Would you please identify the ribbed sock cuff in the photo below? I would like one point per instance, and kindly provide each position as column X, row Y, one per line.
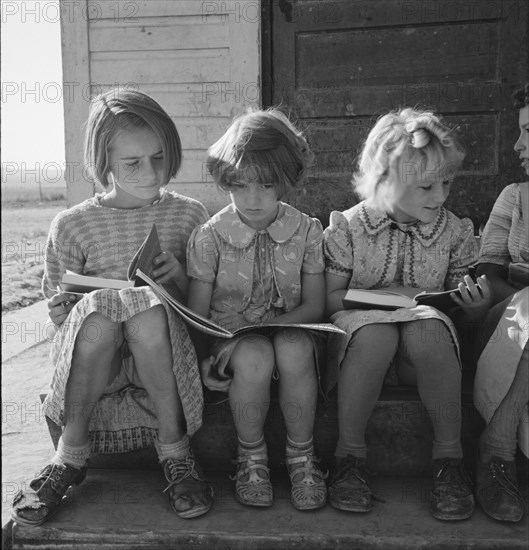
column 295, row 448
column 180, row 449
column 246, row 447
column 452, row 449
column 73, row 455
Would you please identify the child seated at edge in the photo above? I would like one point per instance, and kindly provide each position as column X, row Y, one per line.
column 257, row 261
column 126, row 374
column 402, row 236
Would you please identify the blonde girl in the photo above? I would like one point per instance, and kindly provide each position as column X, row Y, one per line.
column 126, row 375
column 260, row 260
column 401, row 236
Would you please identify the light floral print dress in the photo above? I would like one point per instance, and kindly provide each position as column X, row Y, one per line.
column 256, row 275
column 372, row 251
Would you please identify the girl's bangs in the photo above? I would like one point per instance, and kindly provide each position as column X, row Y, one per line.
column 252, row 169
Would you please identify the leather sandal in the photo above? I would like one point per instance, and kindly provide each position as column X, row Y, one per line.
column 309, row 491
column 252, row 480
column 190, row 493
column 41, row 501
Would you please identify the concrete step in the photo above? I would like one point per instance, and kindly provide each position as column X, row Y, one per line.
column 399, row 435
column 125, row 509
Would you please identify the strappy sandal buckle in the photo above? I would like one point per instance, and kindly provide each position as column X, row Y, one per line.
column 256, row 490
column 309, row 491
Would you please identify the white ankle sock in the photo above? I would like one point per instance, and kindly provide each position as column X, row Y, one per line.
column 180, row 449
column 73, row 455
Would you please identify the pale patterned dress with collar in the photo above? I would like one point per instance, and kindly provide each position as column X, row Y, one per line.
column 91, row 239
column 372, row 251
column 256, row 275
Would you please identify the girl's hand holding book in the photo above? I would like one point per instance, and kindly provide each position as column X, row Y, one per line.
column 475, row 300
column 60, row 305
column 168, row 269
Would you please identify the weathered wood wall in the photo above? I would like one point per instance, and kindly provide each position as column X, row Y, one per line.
column 339, row 64
column 199, row 59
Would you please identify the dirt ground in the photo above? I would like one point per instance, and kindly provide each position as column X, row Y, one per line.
column 26, row 445
column 24, row 231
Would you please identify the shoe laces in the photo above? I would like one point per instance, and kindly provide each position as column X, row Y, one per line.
column 451, row 472
column 178, row 469
column 53, row 477
column 352, row 467
column 501, row 475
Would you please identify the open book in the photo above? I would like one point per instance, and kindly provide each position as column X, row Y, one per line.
column 390, row 299
column 209, row 327
column 140, row 273
column 143, row 259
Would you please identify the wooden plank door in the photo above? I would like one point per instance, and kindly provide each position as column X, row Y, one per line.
column 338, row 64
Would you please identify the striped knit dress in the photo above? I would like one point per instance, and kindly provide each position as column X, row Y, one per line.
column 91, row 239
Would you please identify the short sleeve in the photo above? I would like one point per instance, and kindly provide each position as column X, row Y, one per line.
column 202, row 255
column 62, row 252
column 313, row 257
column 337, row 246
column 463, row 253
column 495, row 238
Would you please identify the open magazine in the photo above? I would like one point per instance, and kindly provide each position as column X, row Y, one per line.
column 390, row 298
column 209, row 327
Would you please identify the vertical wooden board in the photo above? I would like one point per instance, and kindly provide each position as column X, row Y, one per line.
column 76, row 79
column 245, row 28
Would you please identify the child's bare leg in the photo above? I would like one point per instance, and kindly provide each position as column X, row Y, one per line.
column 148, row 337
column 430, row 349
column 362, row 372
column 298, row 384
column 298, row 389
column 437, row 373
column 95, row 362
column 149, row 341
column 252, row 362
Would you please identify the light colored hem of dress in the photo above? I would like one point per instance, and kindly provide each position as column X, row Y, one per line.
column 125, row 420
column 351, row 320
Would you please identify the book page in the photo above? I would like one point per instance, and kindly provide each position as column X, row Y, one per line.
column 73, row 282
column 376, row 299
column 144, row 257
column 209, row 327
column 194, row 319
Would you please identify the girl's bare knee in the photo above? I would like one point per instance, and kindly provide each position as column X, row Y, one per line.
column 98, row 332
column 293, row 342
column 253, row 358
column 369, row 337
column 149, row 327
column 421, row 339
